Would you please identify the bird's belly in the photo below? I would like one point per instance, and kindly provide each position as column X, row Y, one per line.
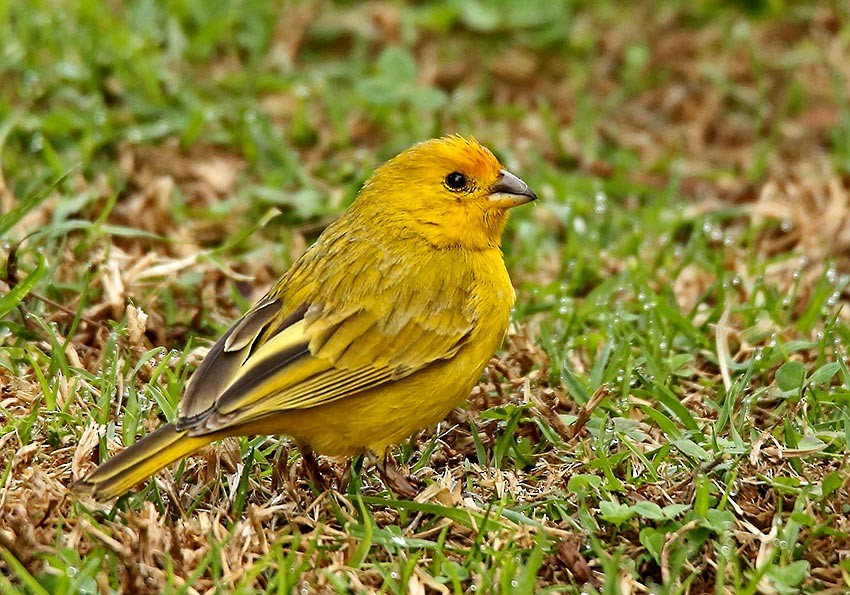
column 379, row 418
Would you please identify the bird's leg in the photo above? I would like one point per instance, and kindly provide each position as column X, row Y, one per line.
column 311, row 468
column 350, row 479
column 392, row 477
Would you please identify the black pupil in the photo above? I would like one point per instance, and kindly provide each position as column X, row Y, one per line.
column 456, row 180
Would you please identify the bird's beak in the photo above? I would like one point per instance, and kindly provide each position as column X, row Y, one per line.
column 509, row 191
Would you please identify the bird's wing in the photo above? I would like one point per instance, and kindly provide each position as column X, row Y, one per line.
column 275, row 359
column 227, row 356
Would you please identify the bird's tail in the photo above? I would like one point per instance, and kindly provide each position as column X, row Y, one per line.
column 139, row 461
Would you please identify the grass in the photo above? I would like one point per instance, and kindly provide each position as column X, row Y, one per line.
column 671, row 412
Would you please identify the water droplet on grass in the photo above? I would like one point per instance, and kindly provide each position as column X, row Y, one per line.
column 833, row 299
column 600, row 206
column 831, row 276
column 579, row 225
column 37, row 142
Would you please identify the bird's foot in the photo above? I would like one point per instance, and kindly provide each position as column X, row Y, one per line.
column 312, row 469
column 396, row 481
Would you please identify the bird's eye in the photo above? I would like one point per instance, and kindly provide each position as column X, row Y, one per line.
column 456, row 181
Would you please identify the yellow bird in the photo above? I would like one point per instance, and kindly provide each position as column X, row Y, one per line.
column 380, row 329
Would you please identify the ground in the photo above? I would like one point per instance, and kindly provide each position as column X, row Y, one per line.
column 671, row 410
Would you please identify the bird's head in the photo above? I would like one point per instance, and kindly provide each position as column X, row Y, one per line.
column 452, row 191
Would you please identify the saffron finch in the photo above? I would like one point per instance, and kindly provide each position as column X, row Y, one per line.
column 380, row 329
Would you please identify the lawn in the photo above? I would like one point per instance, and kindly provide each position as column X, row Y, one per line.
column 670, row 412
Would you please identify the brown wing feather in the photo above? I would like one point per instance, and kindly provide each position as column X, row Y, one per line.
column 229, row 353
